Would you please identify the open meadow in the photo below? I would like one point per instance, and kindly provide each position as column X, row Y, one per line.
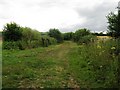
column 66, row 65
column 60, row 44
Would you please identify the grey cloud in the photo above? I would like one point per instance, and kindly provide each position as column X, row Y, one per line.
column 4, row 6
column 3, row 2
column 46, row 3
column 96, row 18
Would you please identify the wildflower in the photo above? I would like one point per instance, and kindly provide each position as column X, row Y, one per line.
column 103, row 51
column 5, row 76
column 101, row 66
column 112, row 47
column 98, row 46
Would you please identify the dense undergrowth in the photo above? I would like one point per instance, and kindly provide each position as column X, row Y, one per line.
column 96, row 65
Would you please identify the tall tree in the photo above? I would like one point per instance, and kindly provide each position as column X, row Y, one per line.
column 12, row 32
column 114, row 24
column 55, row 33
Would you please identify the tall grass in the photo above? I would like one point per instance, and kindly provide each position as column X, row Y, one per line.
column 96, row 64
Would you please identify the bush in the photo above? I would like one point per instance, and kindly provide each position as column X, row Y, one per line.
column 22, row 45
column 46, row 41
column 68, row 36
column 87, row 39
column 80, row 33
column 12, row 32
column 10, row 45
column 55, row 33
column 53, row 41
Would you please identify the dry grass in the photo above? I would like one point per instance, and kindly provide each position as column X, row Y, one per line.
column 104, row 37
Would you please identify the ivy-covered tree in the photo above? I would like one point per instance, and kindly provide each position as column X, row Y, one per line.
column 12, row 32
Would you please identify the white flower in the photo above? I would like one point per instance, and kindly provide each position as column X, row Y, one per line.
column 112, row 47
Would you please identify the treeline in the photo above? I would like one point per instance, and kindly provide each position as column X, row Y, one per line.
column 15, row 36
column 18, row 37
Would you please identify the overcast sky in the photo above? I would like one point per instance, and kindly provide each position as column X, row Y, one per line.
column 66, row 15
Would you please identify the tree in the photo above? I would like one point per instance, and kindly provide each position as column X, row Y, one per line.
column 55, row 33
column 29, row 34
column 68, row 36
column 12, row 32
column 114, row 24
column 80, row 33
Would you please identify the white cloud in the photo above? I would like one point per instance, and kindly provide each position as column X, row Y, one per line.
column 45, row 14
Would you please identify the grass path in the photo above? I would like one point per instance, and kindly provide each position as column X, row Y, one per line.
column 41, row 67
column 66, row 65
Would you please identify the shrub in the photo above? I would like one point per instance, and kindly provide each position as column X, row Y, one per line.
column 12, row 32
column 96, row 65
column 22, row 45
column 53, row 41
column 46, row 41
column 55, row 33
column 10, row 45
column 87, row 39
column 80, row 33
column 68, row 36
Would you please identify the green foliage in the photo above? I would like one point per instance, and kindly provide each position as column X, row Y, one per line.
column 114, row 24
column 46, row 41
column 68, row 36
column 12, row 32
column 0, row 34
column 86, row 66
column 22, row 45
column 80, row 33
column 10, row 45
column 28, row 38
column 55, row 33
column 87, row 39
column 29, row 34
column 94, row 66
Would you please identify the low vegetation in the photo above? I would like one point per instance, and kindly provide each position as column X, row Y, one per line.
column 17, row 37
column 66, row 65
column 33, row 59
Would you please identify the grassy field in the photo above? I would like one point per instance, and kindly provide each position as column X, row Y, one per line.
column 60, row 66
column 0, row 63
